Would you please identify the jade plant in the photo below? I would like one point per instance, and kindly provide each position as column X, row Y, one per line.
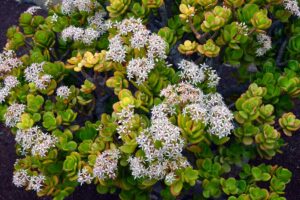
column 125, row 95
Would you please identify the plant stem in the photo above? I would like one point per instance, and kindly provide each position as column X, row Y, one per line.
column 197, row 35
column 281, row 51
column 86, row 76
column 65, row 55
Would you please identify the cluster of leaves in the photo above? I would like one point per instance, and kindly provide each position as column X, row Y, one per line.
column 95, row 86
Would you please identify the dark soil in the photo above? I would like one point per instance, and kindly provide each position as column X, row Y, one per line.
column 9, row 14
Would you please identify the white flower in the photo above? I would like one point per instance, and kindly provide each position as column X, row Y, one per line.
column 34, row 74
column 36, row 182
column 139, row 68
column 8, row 61
column 84, row 176
column 159, row 160
column 213, row 99
column 220, row 121
column 70, row 6
column 137, row 167
column 70, row 32
column 191, row 72
column 124, row 120
column 97, row 22
column 106, row 164
column 33, row 71
column 83, row 5
column 197, row 112
column 139, row 38
column 157, row 47
column 292, row 6
column 35, row 141
column 116, row 50
column 130, row 25
column 242, row 28
column 43, row 81
column 90, row 35
column 63, row 92
column 265, row 43
column 20, row 178
column 67, row 7
column 54, row 18
column 211, row 76
column 210, row 108
column 48, row 3
column 87, row 36
column 13, row 114
column 109, row 24
column 4, row 92
column 170, row 178
column 181, row 93
column 33, row 9
column 11, row 82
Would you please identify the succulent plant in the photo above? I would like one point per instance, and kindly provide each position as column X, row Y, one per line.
column 210, row 49
column 188, row 47
column 260, row 20
column 97, row 98
column 289, row 123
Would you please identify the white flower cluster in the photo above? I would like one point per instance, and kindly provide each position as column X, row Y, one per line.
column 70, row 6
column 117, row 51
column 34, row 74
column 220, row 119
column 265, row 42
column 35, row 140
column 21, row 179
column 210, row 108
column 292, row 6
column 106, row 164
column 13, row 114
column 124, row 120
column 9, row 83
column 140, row 37
column 33, row 9
column 130, row 25
column 98, row 22
column 87, row 36
column 182, row 93
column 193, row 74
column 8, row 61
column 139, row 68
column 84, row 176
column 156, row 47
column 36, row 182
column 211, row 76
column 63, row 92
column 243, row 28
column 162, row 145
column 197, row 112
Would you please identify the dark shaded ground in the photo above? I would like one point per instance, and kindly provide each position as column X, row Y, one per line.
column 9, row 13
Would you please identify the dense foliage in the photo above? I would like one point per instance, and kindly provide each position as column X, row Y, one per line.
column 124, row 95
